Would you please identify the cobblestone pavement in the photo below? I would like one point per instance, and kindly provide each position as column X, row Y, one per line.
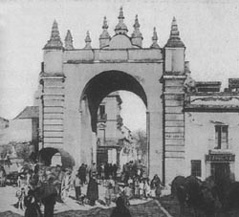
column 139, row 208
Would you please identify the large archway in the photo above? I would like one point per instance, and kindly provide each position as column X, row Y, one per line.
column 99, row 87
column 105, row 83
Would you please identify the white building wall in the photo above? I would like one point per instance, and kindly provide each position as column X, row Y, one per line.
column 19, row 130
column 200, row 138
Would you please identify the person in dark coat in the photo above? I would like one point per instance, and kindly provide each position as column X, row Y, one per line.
column 120, row 210
column 92, row 191
column 49, row 197
column 82, row 174
column 115, row 168
column 32, row 207
column 107, row 172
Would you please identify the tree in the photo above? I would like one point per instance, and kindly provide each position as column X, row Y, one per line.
column 141, row 142
column 22, row 150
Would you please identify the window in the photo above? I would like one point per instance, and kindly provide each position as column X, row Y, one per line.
column 221, row 136
column 196, row 168
column 101, row 134
column 101, row 113
column 102, row 110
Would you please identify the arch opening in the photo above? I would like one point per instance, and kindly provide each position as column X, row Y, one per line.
column 52, row 156
column 105, row 83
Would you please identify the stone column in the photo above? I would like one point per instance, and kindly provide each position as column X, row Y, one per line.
column 174, row 126
column 52, row 111
column 155, row 143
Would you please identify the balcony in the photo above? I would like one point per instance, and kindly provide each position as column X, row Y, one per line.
column 101, row 117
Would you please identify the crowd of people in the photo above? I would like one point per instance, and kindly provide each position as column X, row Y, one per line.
column 44, row 186
column 37, row 186
column 131, row 183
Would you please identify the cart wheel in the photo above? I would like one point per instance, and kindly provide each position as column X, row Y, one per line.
column 65, row 187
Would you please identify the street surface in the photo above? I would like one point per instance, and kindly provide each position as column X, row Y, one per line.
column 138, row 207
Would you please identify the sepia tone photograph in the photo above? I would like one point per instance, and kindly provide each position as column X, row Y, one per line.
column 119, row 108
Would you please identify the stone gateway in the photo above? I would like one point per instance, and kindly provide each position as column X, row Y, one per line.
column 73, row 82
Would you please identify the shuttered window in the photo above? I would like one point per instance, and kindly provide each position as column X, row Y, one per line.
column 196, row 168
column 221, row 136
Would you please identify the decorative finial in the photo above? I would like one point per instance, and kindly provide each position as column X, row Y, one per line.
column 88, row 41
column 104, row 37
column 121, row 14
column 155, row 39
column 174, row 29
column 55, row 40
column 69, row 41
column 174, row 39
column 136, row 24
column 136, row 35
column 105, row 25
column 121, row 28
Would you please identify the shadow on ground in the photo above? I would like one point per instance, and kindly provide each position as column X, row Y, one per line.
column 148, row 209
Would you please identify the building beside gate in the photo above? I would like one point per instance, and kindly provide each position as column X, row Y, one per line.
column 191, row 126
column 211, row 130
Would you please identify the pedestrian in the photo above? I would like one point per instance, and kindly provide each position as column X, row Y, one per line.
column 77, row 186
column 141, row 188
column 136, row 187
column 120, row 210
column 92, row 191
column 93, row 170
column 156, row 186
column 103, row 171
column 58, row 182
column 32, row 207
column 82, row 173
column 99, row 171
column 117, row 191
column 107, row 173
column 110, row 185
column 115, row 168
column 128, row 193
column 147, row 190
column 2, row 176
column 49, row 194
column 126, row 172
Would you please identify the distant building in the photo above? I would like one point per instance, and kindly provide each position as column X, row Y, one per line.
column 109, row 134
column 23, row 128
column 4, row 123
column 128, row 151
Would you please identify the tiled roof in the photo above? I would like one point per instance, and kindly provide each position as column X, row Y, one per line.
column 29, row 112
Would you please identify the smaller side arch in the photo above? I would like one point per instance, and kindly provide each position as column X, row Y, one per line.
column 46, row 154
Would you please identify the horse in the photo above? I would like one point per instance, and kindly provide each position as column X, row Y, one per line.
column 195, row 194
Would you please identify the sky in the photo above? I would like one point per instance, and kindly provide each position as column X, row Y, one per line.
column 208, row 28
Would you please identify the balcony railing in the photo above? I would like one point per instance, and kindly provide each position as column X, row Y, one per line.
column 102, row 117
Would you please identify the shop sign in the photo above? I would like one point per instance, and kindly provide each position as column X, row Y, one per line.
column 220, row 157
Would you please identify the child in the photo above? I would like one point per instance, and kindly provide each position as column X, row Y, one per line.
column 147, row 190
column 127, row 192
column 141, row 188
column 110, row 184
column 136, row 188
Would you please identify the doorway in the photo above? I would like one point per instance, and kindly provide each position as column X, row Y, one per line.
column 220, row 171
